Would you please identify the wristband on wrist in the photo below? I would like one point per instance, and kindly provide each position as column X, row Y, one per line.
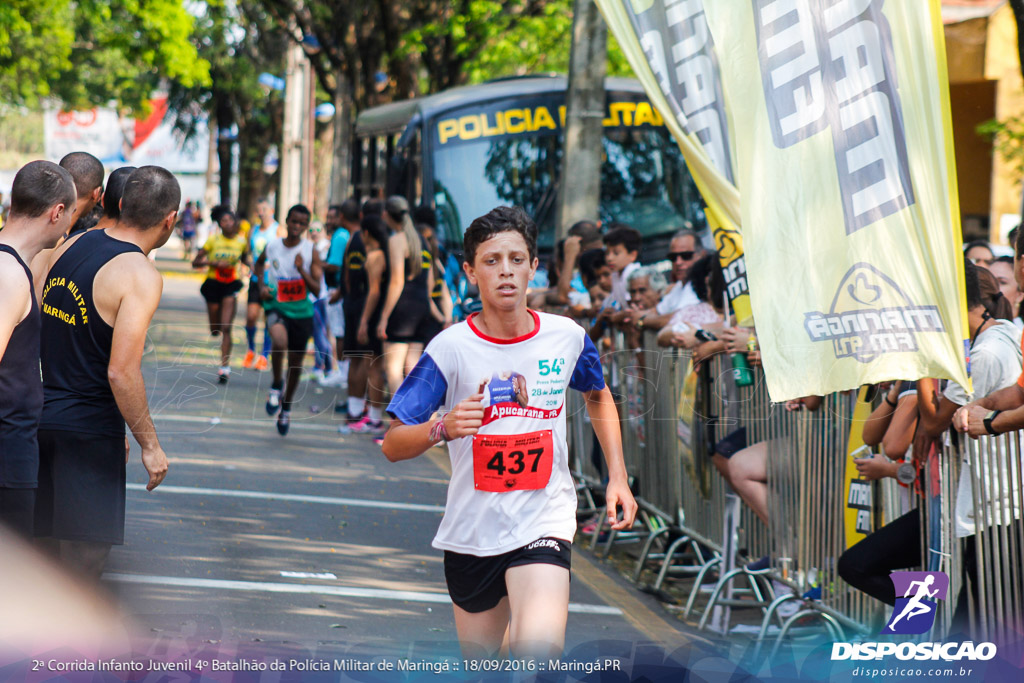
column 438, row 432
column 988, row 422
column 891, row 404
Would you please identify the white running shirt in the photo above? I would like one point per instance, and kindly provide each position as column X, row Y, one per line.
column 510, row 482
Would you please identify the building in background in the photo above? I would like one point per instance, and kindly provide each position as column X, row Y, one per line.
column 985, row 84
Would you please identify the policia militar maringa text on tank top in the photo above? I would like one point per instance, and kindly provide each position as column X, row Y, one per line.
column 99, row 298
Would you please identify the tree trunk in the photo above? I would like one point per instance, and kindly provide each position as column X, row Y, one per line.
column 341, row 170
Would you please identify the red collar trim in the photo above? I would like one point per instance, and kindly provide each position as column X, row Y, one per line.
column 516, row 340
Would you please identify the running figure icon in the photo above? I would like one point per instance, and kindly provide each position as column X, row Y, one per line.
column 915, row 606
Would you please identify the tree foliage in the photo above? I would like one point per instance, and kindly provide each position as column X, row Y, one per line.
column 88, row 52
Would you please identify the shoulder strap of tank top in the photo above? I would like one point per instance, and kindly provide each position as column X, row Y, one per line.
column 13, row 252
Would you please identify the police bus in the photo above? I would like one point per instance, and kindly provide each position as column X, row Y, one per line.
column 466, row 150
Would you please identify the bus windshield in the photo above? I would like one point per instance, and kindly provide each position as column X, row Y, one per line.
column 644, row 181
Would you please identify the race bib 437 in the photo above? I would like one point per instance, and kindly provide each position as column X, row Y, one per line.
column 512, row 462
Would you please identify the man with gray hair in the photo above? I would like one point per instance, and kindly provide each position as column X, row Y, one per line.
column 100, row 295
column 42, row 202
column 684, row 250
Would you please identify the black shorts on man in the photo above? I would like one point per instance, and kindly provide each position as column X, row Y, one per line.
column 299, row 330
column 477, row 584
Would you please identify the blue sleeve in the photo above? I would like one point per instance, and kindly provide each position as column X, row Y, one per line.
column 336, row 254
column 421, row 393
column 587, row 375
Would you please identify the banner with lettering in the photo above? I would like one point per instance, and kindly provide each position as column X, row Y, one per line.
column 670, row 49
column 843, row 151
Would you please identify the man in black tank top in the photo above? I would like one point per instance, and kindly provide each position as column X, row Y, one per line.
column 99, row 297
column 42, row 204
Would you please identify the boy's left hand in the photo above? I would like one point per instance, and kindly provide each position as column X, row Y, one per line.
column 618, row 496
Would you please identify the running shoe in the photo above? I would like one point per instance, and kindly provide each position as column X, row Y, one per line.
column 334, row 378
column 223, row 374
column 261, row 363
column 273, row 401
column 250, row 358
column 379, row 440
column 284, row 420
column 367, row 426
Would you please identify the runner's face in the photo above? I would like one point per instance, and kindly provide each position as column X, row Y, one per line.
column 297, row 224
column 228, row 225
column 501, row 270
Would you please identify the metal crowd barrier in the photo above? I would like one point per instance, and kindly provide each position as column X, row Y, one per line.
column 693, row 526
column 993, row 474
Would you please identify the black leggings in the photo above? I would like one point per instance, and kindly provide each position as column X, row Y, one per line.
column 897, row 545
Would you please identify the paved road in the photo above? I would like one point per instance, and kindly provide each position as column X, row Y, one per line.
column 311, row 542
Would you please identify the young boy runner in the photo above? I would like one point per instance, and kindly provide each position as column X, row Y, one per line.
column 293, row 269
column 511, row 510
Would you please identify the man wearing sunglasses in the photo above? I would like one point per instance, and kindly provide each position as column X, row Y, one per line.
column 684, row 250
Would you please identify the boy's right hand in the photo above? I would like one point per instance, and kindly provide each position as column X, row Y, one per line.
column 465, row 418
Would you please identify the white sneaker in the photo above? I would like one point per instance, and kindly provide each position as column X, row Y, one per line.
column 335, row 378
column 273, row 401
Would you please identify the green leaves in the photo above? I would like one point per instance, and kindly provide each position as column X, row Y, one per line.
column 89, row 52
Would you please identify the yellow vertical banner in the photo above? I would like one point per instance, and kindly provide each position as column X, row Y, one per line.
column 857, row 520
column 843, row 155
column 669, row 46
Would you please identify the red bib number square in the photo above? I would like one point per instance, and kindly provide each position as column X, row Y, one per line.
column 226, row 274
column 512, row 462
column 291, row 290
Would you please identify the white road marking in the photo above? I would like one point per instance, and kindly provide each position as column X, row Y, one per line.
column 295, row 497
column 326, row 576
column 341, row 591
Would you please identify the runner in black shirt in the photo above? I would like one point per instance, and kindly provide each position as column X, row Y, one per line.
column 42, row 202
column 99, row 296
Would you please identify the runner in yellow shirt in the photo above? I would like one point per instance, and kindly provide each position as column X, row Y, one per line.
column 221, row 254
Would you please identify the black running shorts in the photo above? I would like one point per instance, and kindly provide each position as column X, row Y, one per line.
column 477, row 584
column 299, row 329
column 81, row 487
column 215, row 291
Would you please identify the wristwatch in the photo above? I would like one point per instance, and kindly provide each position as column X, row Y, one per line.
column 987, row 421
column 640, row 322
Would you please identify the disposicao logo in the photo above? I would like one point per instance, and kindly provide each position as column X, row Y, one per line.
column 914, row 613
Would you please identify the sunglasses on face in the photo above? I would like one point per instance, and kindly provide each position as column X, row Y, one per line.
column 685, row 255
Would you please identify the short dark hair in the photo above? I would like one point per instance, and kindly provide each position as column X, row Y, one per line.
column 150, row 193
column 114, row 189
column 298, row 208
column 219, row 211
column 1018, row 243
column 709, row 290
column 373, row 207
column 1004, row 259
column 424, row 214
column 373, row 225
column 348, row 210
column 86, row 169
column 40, row 185
column 587, row 231
column 590, row 261
column 971, row 285
column 978, row 243
column 624, row 235
column 499, row 219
